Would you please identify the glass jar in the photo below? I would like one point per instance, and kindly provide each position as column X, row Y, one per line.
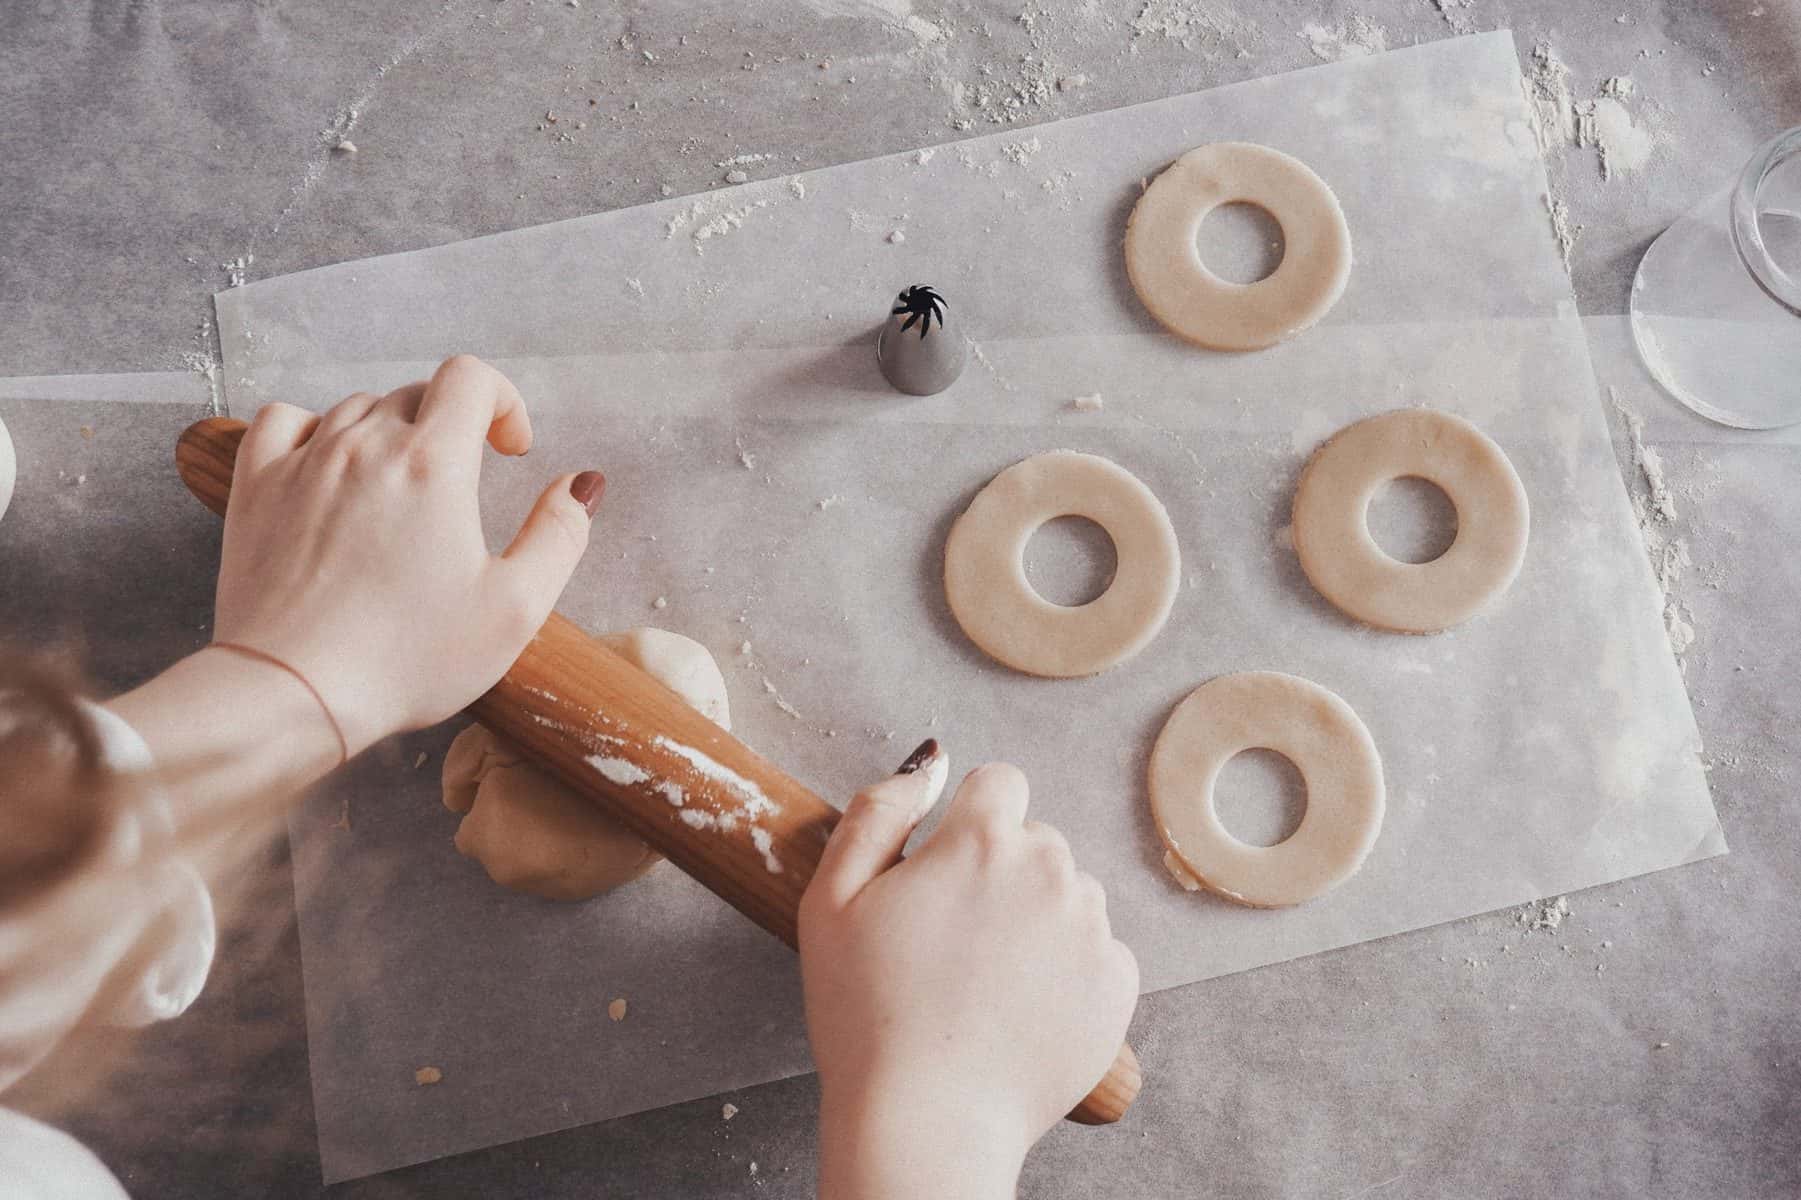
column 1716, row 303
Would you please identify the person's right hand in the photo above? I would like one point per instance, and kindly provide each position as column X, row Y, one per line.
column 959, row 1002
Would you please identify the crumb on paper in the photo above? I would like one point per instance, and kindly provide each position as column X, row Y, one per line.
column 744, row 647
column 896, row 237
column 343, row 821
column 1661, row 1046
column 343, row 146
column 922, row 157
column 1089, row 403
column 616, row 1008
column 87, row 431
column 660, row 602
column 736, row 175
column 728, row 1111
column 826, row 502
column 425, row 1076
column 419, row 759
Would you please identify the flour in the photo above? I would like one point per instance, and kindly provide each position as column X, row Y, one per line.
column 1654, row 507
column 1020, row 153
column 1457, row 14
column 702, row 222
column 619, row 771
column 1563, row 229
column 751, row 797
column 1189, row 22
column 1547, row 915
column 1622, row 145
column 1605, row 123
column 743, row 160
column 1090, row 403
column 1358, row 37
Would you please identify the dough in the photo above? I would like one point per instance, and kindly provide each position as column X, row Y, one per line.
column 1331, row 527
column 536, row 835
column 1317, row 732
column 985, row 573
column 9, row 468
column 1165, row 265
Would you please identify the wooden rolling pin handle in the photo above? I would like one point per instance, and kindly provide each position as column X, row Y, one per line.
column 715, row 808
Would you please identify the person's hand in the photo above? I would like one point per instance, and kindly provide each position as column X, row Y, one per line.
column 960, row 1001
column 353, row 549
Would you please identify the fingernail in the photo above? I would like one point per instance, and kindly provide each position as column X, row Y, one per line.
column 587, row 489
column 922, row 754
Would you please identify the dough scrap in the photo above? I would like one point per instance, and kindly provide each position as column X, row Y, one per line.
column 1163, row 258
column 985, row 573
column 1342, row 560
column 1312, row 728
column 535, row 834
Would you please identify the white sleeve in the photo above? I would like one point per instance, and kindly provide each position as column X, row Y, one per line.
column 127, row 943
column 41, row 1163
column 165, row 972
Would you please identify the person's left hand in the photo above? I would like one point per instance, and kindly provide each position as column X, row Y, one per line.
column 354, row 554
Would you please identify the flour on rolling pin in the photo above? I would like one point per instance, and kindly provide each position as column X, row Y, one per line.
column 753, row 801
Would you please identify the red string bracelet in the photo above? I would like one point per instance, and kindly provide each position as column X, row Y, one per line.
column 253, row 652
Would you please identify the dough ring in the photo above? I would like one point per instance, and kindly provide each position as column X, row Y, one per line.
column 1331, row 527
column 1165, row 264
column 985, row 574
column 1317, row 732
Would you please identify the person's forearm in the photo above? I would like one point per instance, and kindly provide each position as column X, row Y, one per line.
column 229, row 733
column 877, row 1144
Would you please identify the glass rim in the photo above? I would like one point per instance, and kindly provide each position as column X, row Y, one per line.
column 1747, row 238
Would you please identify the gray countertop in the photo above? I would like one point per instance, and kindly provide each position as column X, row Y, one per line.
column 1648, row 1047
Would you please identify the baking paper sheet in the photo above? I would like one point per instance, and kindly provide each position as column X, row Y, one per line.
column 713, row 356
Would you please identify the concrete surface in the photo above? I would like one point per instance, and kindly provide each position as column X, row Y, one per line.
column 148, row 144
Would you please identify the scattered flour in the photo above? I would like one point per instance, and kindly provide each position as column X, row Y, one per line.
column 1546, row 914
column 1190, row 22
column 1654, row 506
column 1020, row 153
column 1357, row 37
column 1623, row 146
column 1457, row 14
column 703, row 222
column 728, row 1111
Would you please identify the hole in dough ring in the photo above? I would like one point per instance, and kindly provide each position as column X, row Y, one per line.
column 1317, row 732
column 1163, row 258
column 985, row 574
column 1331, row 520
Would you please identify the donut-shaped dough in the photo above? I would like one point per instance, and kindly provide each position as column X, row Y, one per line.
column 1313, row 729
column 985, row 573
column 1331, row 526
column 1165, row 265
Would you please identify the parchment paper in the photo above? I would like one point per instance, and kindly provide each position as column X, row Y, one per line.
column 713, row 356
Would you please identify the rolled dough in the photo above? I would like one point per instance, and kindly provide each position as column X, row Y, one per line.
column 1313, row 729
column 985, row 572
column 534, row 834
column 1331, row 526
column 1163, row 258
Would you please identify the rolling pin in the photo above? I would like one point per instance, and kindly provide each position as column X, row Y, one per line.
column 708, row 803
